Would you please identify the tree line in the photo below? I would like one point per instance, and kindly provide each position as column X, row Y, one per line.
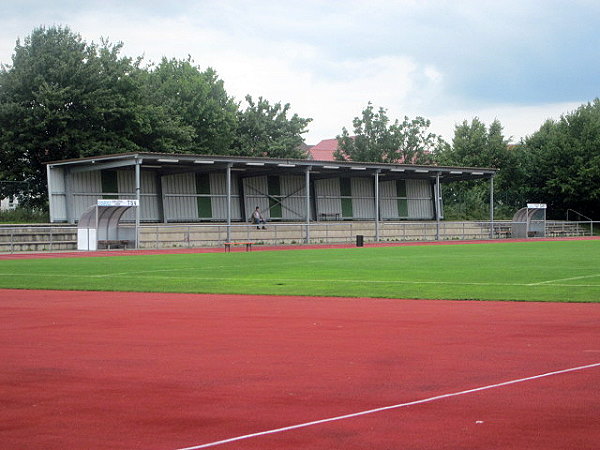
column 64, row 98
column 558, row 165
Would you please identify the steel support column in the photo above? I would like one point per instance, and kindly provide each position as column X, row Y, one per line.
column 377, row 206
column 436, row 194
column 69, row 200
column 307, row 188
column 138, row 188
column 228, row 176
column 492, row 207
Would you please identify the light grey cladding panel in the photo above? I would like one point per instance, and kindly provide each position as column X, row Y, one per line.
column 86, row 182
column 58, row 203
column 218, row 184
column 57, row 179
column 420, row 200
column 149, row 199
column 179, row 191
column 388, row 200
column 255, row 192
column 59, row 208
column 87, row 189
column 218, row 191
column 181, row 183
column 327, row 193
column 363, row 198
column 293, row 203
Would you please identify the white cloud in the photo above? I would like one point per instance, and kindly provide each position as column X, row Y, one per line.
column 329, row 58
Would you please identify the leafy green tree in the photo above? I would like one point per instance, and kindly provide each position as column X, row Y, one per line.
column 265, row 130
column 563, row 164
column 62, row 98
column 375, row 139
column 197, row 100
column 476, row 145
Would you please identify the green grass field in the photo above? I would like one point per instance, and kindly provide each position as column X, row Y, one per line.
column 566, row 271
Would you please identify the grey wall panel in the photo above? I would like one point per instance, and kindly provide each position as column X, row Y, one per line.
column 294, row 202
column 218, row 184
column 57, row 179
column 363, row 198
column 81, row 202
column 86, row 183
column 420, row 199
column 179, row 191
column 218, row 190
column 59, row 208
column 255, row 193
column 388, row 200
column 219, row 208
column 327, row 193
column 181, row 183
column 149, row 199
column 126, row 180
column 86, row 188
column 58, row 203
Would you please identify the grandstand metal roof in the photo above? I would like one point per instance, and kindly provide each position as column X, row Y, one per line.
column 172, row 163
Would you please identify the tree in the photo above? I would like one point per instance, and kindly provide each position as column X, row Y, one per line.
column 476, row 145
column 376, row 140
column 196, row 99
column 60, row 99
column 265, row 130
column 563, row 164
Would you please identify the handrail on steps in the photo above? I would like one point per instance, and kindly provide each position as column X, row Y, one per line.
column 579, row 214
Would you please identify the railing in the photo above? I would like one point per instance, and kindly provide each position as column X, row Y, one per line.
column 579, row 215
column 203, row 235
column 18, row 238
column 55, row 238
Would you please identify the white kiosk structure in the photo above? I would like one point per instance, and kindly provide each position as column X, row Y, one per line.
column 99, row 226
column 530, row 221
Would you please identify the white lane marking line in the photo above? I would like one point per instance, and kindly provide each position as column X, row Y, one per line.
column 564, row 279
column 385, row 408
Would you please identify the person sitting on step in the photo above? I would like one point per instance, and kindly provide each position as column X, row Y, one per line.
column 258, row 219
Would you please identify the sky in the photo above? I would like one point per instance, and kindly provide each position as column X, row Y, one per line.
column 519, row 61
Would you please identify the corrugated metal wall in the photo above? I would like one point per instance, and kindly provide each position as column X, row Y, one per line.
column 86, row 188
column 420, row 199
column 363, row 198
column 218, row 191
column 180, row 197
column 418, row 196
column 291, row 197
column 255, row 194
column 293, row 200
column 327, row 197
column 179, row 192
column 58, row 205
column 388, row 200
column 149, row 198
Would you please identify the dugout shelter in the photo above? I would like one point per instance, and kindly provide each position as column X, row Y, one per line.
column 530, row 221
column 100, row 226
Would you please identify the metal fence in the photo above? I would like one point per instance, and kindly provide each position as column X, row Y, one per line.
column 206, row 235
column 56, row 238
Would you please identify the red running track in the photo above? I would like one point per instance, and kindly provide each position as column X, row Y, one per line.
column 166, row 371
